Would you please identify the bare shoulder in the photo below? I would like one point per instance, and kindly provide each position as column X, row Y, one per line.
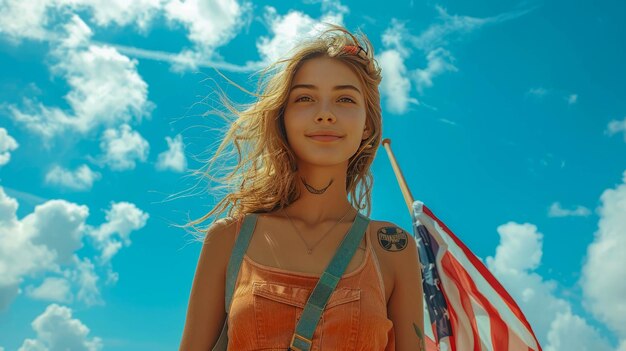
column 391, row 243
column 221, row 235
column 389, row 238
column 394, row 246
column 219, row 242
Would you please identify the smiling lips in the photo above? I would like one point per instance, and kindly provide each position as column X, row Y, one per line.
column 324, row 137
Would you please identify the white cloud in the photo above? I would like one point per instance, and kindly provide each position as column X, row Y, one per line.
column 225, row 19
column 24, row 19
column 18, row 256
column 569, row 332
column 517, row 257
column 291, row 28
column 187, row 59
column 57, row 330
column 122, row 219
column 556, row 210
column 439, row 61
column 330, row 7
column 82, row 178
column 447, row 121
column 572, row 99
column 52, row 289
column 449, row 26
column 84, row 275
column 77, row 34
column 7, row 145
column 123, row 147
column 112, row 277
column 395, row 85
column 398, row 43
column 39, row 243
column 437, row 35
column 538, row 92
column 395, row 38
column 333, row 11
column 604, row 286
column 105, row 88
column 174, row 157
column 57, row 225
column 520, row 248
column 40, row 119
column 210, row 23
column 286, row 31
column 615, row 127
column 44, row 244
column 118, row 12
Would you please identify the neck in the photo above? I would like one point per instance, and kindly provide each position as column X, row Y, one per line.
column 323, row 196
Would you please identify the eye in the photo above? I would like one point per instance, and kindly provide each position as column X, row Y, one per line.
column 347, row 98
column 302, row 97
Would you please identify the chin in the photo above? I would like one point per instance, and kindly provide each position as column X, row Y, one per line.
column 322, row 160
column 330, row 155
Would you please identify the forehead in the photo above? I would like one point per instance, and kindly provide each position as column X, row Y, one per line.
column 325, row 71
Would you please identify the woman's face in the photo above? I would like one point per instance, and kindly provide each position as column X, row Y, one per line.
column 325, row 95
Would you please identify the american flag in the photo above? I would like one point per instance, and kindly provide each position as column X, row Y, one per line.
column 467, row 307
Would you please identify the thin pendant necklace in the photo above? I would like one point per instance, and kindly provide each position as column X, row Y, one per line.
column 309, row 250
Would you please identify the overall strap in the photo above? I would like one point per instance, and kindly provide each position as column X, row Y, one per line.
column 301, row 340
column 236, row 256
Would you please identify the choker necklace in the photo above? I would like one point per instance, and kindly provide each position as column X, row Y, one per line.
column 309, row 250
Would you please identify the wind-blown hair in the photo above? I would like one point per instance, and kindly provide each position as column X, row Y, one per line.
column 264, row 177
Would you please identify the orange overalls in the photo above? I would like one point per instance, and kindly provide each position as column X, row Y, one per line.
column 267, row 303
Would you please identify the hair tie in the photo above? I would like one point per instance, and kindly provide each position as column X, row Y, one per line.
column 355, row 50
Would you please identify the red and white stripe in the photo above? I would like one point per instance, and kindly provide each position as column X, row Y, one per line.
column 483, row 316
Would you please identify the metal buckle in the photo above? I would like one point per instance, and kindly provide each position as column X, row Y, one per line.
column 295, row 335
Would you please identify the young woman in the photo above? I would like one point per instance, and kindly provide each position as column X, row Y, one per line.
column 308, row 142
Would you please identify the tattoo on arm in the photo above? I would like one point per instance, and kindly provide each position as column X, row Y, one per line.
column 420, row 337
column 392, row 238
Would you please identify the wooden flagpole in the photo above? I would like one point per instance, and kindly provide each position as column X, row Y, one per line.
column 403, row 186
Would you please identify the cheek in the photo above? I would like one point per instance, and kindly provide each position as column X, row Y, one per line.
column 298, row 119
column 357, row 121
column 292, row 125
column 294, row 130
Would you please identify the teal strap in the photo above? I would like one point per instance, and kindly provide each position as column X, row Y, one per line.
column 302, row 338
column 236, row 256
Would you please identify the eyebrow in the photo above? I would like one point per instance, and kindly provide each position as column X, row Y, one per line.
column 337, row 87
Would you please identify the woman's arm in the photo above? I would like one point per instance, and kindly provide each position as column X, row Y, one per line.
column 206, row 312
column 405, row 307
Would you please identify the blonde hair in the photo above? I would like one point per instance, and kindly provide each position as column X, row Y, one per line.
column 264, row 176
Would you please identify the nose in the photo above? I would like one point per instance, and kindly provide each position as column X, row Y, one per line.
column 325, row 115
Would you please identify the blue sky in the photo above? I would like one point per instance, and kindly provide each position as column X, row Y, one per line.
column 507, row 118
